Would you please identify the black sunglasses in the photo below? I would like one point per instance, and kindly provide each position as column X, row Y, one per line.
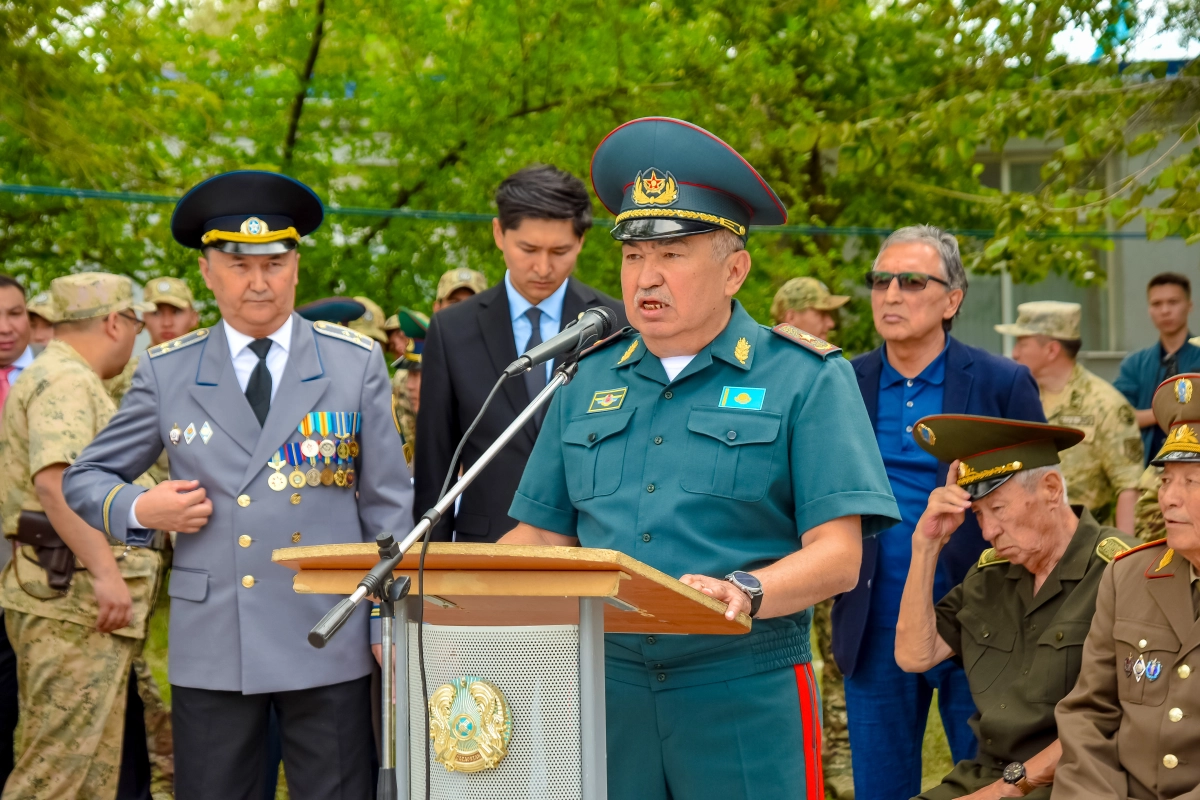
column 909, row 281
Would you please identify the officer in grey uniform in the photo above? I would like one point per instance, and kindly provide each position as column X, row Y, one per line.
column 279, row 432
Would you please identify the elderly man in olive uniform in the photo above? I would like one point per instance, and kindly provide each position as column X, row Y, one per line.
column 701, row 445
column 806, row 303
column 76, row 601
column 1131, row 726
column 235, row 405
column 1106, row 466
column 1018, row 620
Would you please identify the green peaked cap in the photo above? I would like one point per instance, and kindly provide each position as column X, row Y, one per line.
column 991, row 450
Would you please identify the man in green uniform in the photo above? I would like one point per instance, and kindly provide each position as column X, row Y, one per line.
column 806, row 303
column 735, row 457
column 1018, row 620
column 1106, row 465
column 76, row 603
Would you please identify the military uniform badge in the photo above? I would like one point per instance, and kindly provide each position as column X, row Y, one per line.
column 607, row 400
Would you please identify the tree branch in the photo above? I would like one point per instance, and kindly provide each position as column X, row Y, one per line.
column 289, row 144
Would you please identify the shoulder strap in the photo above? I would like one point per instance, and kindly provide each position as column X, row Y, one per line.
column 806, row 340
column 178, row 343
column 335, row 331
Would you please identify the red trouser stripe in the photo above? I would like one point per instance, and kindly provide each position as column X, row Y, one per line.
column 814, row 778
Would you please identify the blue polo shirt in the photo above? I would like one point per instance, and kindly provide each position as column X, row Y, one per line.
column 913, row 474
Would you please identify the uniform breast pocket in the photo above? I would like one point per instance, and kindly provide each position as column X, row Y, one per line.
column 1057, row 660
column 730, row 452
column 987, row 649
column 1157, row 647
column 594, row 452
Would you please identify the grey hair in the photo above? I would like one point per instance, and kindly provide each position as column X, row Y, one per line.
column 724, row 244
column 1030, row 478
column 944, row 244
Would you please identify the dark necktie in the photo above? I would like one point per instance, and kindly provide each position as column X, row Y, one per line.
column 258, row 390
column 535, row 379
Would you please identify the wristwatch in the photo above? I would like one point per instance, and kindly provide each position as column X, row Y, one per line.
column 749, row 584
column 1014, row 775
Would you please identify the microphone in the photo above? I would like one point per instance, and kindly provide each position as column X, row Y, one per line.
column 592, row 326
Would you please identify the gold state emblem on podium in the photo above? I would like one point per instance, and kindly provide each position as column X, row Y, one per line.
column 470, row 725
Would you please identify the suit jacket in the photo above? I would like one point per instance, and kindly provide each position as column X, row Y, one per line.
column 236, row 623
column 976, row 382
column 468, row 345
column 1131, row 731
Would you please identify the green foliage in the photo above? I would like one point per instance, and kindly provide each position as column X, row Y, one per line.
column 858, row 114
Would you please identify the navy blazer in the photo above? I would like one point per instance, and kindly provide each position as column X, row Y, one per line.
column 976, row 382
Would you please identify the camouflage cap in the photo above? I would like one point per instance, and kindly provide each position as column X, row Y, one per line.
column 801, row 293
column 169, row 291
column 1176, row 407
column 1045, row 318
column 461, row 278
column 392, row 323
column 371, row 321
column 88, row 295
column 41, row 304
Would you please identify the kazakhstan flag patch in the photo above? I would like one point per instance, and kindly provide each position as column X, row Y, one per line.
column 742, row 397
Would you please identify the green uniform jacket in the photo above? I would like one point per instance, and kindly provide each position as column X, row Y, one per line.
column 758, row 440
column 1021, row 651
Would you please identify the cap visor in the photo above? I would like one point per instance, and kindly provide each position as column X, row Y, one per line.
column 182, row 305
column 981, row 489
column 256, row 248
column 1014, row 330
column 145, row 308
column 650, row 228
column 832, row 303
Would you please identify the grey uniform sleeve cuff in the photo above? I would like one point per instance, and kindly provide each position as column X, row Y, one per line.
column 119, row 519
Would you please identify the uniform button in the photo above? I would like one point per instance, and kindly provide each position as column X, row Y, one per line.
column 1003, row 705
column 869, row 582
column 1175, row 714
column 645, row 537
column 650, row 488
column 591, row 437
column 296, row 537
column 731, row 435
column 667, row 394
column 662, row 676
column 243, row 500
column 986, row 634
column 1142, row 644
column 908, row 383
column 989, row 741
column 244, row 540
column 295, row 498
column 1026, row 672
column 658, row 440
column 1058, row 636
column 908, row 429
column 1169, row 761
column 1184, row 671
column 909, row 404
column 650, row 640
column 248, row 581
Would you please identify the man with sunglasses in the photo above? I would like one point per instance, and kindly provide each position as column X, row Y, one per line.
column 76, row 603
column 917, row 284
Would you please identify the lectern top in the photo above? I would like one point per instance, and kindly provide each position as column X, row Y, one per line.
column 490, row 584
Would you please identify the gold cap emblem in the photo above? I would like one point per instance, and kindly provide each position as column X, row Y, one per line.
column 650, row 188
column 255, row 227
column 470, row 725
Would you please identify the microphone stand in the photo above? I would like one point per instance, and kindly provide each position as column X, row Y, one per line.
column 380, row 582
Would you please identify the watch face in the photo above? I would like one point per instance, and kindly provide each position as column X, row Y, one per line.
column 749, row 581
column 1014, row 772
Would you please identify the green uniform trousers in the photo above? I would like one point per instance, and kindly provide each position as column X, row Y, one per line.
column 968, row 777
column 753, row 738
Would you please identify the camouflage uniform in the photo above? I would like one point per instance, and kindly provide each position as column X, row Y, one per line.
column 1109, row 459
column 118, row 385
column 801, row 293
column 1149, row 525
column 402, row 414
column 72, row 679
column 371, row 322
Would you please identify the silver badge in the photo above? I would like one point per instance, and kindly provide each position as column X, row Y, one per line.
column 205, row 432
column 175, row 434
column 164, row 286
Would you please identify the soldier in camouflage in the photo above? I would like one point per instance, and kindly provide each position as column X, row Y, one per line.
column 74, row 646
column 406, row 381
column 41, row 319
column 807, row 304
column 1149, row 525
column 1106, row 466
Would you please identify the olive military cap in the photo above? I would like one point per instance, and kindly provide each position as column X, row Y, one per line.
column 991, row 450
column 88, row 295
column 1045, row 318
column 169, row 291
column 340, row 310
column 41, row 304
column 1176, row 407
column 249, row 212
column 370, row 322
column 664, row 178
column 461, row 278
column 801, row 293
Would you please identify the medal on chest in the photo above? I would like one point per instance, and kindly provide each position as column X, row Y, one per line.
column 294, row 457
column 277, row 481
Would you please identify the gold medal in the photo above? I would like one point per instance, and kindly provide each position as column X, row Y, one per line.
column 350, row 477
column 339, row 477
column 327, row 477
column 343, row 451
column 353, row 449
column 313, row 477
column 296, row 479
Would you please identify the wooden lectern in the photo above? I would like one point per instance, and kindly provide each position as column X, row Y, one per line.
column 530, row 621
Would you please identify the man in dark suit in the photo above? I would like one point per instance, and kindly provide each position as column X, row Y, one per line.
column 917, row 287
column 543, row 214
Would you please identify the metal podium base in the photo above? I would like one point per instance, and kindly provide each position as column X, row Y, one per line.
column 553, row 680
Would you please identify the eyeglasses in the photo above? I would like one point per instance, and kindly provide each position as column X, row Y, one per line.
column 909, row 281
column 138, row 325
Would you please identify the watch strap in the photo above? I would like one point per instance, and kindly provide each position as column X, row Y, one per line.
column 1024, row 786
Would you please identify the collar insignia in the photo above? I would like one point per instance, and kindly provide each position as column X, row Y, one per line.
column 629, row 352
column 741, row 351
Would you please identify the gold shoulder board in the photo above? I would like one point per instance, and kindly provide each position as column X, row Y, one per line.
column 989, row 557
column 806, row 340
column 178, row 343
column 1110, row 548
column 335, row 331
column 1139, row 548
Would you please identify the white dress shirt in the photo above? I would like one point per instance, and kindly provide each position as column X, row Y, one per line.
column 244, row 362
column 551, row 322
